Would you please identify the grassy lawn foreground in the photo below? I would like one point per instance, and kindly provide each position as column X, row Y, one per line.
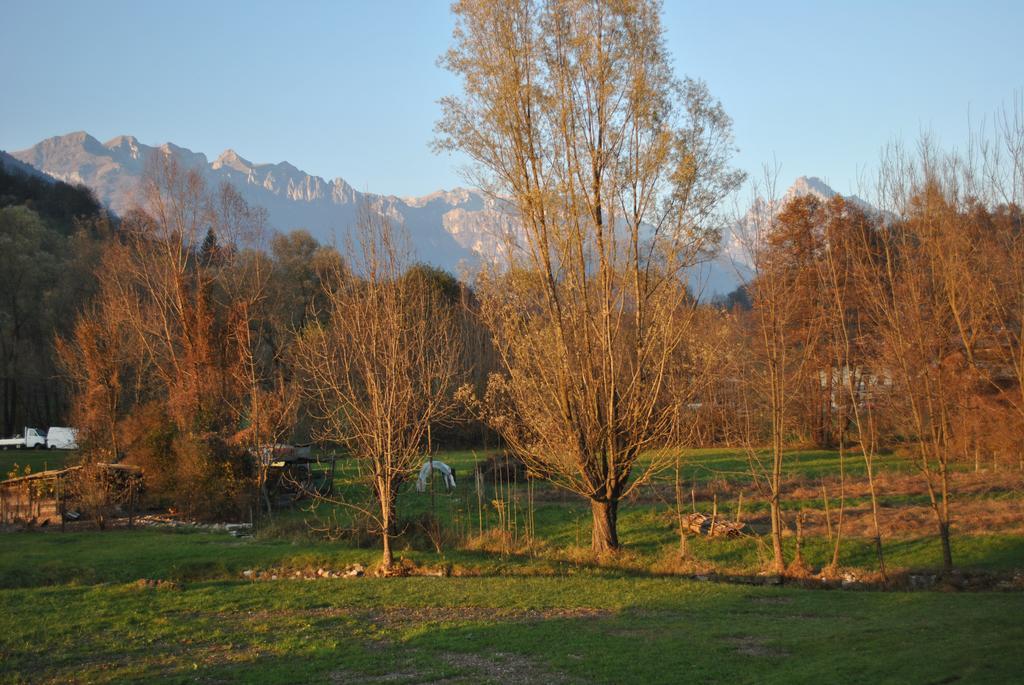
column 504, row 630
column 72, row 612
column 73, row 609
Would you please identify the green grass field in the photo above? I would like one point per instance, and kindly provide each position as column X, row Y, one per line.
column 558, row 523
column 99, row 626
column 37, row 460
column 81, row 606
column 76, row 614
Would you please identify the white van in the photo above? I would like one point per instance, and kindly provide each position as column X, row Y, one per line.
column 62, row 438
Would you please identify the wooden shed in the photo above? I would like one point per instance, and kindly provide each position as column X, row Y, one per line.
column 51, row 497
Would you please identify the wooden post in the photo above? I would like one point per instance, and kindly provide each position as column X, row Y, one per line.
column 799, row 538
column 533, row 519
column 828, row 511
column 60, row 500
column 478, row 479
column 679, row 513
column 714, row 515
column 739, row 508
column 431, row 459
column 131, row 502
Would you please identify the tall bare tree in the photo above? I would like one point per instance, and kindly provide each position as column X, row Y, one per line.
column 381, row 363
column 784, row 244
column 570, row 111
column 919, row 295
column 848, row 232
column 997, row 181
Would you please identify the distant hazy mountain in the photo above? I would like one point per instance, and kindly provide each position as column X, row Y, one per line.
column 447, row 229
column 732, row 266
column 10, row 163
column 450, row 229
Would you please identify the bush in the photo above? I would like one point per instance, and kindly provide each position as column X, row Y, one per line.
column 503, row 467
column 201, row 477
column 148, row 442
column 214, row 480
column 425, row 532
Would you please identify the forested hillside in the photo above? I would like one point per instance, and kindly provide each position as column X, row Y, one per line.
column 51, row 234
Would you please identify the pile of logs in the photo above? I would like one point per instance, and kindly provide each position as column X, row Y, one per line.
column 712, row 526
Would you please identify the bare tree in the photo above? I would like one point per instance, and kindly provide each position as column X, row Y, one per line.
column 381, row 362
column 571, row 112
column 784, row 245
column 847, row 231
column 997, row 180
column 918, row 293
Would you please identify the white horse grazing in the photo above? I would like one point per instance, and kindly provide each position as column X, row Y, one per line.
column 447, row 473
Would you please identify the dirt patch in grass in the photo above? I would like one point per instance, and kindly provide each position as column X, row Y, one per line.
column 494, row 667
column 633, row 633
column 501, row 667
column 345, row 677
column 887, row 484
column 399, row 617
column 749, row 645
column 770, row 600
column 974, row 517
column 982, row 503
column 890, row 484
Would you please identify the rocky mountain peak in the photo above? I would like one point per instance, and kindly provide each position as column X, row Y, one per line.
column 810, row 185
column 125, row 147
column 231, row 159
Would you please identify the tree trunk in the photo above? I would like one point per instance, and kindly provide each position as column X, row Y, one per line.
column 869, row 457
column 10, row 405
column 387, row 559
column 842, row 499
column 947, row 550
column 775, row 483
column 776, row 491
column 265, row 496
column 385, row 492
column 944, row 520
column 605, row 535
column 776, row 516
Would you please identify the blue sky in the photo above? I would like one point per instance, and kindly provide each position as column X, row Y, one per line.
column 349, row 89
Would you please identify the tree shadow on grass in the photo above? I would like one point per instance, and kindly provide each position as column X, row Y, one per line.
column 760, row 636
column 516, row 630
